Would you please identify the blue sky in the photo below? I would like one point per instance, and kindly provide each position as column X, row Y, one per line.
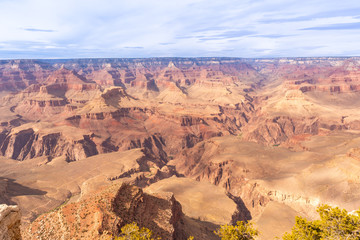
column 180, row 28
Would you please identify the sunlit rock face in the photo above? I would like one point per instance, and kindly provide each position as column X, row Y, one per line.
column 10, row 222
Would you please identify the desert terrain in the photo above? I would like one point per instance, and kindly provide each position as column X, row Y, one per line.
column 199, row 142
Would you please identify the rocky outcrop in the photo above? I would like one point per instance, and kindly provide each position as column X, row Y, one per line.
column 27, row 144
column 64, row 75
column 103, row 213
column 47, row 103
column 153, row 147
column 10, row 220
column 106, row 77
column 279, row 129
column 61, row 81
column 130, row 203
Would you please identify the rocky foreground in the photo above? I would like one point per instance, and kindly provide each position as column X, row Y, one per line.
column 10, row 220
column 230, row 139
column 101, row 216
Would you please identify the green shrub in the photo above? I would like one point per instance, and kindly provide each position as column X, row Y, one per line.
column 241, row 231
column 334, row 223
column 133, row 232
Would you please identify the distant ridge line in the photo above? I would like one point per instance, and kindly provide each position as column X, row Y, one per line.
column 52, row 60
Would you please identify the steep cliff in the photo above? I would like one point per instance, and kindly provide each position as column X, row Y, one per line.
column 27, row 144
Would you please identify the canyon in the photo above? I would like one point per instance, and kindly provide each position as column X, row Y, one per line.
column 181, row 145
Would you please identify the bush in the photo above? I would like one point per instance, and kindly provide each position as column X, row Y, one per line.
column 334, row 223
column 241, row 231
column 133, row 232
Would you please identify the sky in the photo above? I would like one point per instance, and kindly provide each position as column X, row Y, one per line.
column 178, row 28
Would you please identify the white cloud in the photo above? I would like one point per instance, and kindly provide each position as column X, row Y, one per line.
column 139, row 28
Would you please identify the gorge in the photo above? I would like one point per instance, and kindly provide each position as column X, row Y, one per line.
column 201, row 141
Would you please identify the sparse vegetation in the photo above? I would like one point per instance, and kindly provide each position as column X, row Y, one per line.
column 133, row 232
column 334, row 223
column 241, row 231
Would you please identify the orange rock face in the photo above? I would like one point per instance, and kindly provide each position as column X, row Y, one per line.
column 180, row 101
column 19, row 74
column 102, row 215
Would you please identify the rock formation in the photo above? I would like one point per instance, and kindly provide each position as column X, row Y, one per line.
column 10, row 219
column 19, row 74
column 104, row 213
column 27, row 144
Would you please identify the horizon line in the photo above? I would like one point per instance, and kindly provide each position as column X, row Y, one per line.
column 214, row 57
